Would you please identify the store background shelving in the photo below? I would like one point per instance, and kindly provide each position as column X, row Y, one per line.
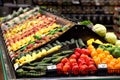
column 98, row 11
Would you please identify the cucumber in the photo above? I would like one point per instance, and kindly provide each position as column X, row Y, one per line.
column 49, row 46
column 37, row 74
column 46, row 60
column 57, row 59
column 63, row 43
column 37, row 51
column 72, row 41
column 31, row 73
column 20, row 10
column 54, row 44
column 25, row 10
column 80, row 42
column 67, row 42
column 30, row 53
column 34, row 63
column 67, row 52
column 45, row 64
column 63, row 53
column 56, row 55
column 76, row 42
column 19, row 70
column 34, row 68
column 57, row 42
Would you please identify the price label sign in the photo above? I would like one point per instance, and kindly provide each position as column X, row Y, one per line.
column 51, row 67
column 102, row 65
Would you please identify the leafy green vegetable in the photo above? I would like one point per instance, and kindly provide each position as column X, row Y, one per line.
column 86, row 22
column 37, row 37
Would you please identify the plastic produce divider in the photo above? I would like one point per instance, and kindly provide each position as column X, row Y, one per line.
column 3, row 65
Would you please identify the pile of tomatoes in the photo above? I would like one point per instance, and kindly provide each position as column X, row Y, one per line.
column 78, row 63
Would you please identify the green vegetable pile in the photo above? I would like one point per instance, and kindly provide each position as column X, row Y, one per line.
column 114, row 50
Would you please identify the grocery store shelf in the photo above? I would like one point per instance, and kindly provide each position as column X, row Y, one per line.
column 15, row 5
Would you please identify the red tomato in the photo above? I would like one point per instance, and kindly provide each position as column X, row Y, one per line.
column 81, row 61
column 92, row 69
column 77, row 54
column 85, row 51
column 83, row 56
column 83, row 69
column 73, row 61
column 59, row 68
column 73, row 56
column 68, row 63
column 74, row 64
column 64, row 60
column 90, row 63
column 78, row 50
column 66, row 69
column 75, row 70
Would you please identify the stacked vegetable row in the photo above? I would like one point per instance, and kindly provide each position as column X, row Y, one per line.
column 79, row 63
column 105, row 54
column 18, row 17
column 48, row 55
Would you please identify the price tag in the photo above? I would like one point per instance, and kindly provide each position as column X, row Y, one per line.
column 51, row 67
column 102, row 66
column 16, row 65
column 75, row 2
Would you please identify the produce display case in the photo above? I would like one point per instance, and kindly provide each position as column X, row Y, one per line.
column 78, row 31
column 93, row 10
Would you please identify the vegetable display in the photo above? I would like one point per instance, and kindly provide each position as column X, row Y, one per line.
column 36, row 47
column 107, row 54
column 30, row 29
column 42, row 63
